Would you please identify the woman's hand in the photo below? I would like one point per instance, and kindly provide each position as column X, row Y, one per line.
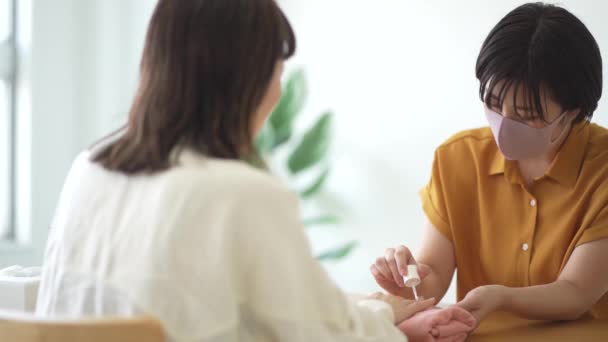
column 390, row 269
column 404, row 308
column 483, row 300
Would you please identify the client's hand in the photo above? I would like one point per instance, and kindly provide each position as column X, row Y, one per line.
column 404, row 308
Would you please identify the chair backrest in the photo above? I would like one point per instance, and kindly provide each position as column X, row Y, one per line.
column 28, row 328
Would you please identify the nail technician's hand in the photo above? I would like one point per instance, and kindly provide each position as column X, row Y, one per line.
column 390, row 269
column 404, row 308
column 483, row 300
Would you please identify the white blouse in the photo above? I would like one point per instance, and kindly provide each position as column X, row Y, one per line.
column 214, row 249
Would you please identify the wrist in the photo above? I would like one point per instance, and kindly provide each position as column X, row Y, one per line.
column 503, row 295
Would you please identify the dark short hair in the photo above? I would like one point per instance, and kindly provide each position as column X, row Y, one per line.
column 206, row 67
column 540, row 45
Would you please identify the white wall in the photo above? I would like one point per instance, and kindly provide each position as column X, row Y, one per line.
column 398, row 73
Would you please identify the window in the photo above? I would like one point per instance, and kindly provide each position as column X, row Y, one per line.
column 8, row 73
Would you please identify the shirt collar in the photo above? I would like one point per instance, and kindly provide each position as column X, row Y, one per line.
column 497, row 166
column 566, row 166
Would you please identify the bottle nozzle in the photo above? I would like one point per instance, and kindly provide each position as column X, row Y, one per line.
column 412, row 279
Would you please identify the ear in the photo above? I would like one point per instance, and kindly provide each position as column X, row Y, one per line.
column 572, row 114
column 569, row 117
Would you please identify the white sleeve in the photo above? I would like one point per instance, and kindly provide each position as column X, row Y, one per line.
column 286, row 291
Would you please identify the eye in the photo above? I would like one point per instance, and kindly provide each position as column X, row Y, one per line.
column 530, row 116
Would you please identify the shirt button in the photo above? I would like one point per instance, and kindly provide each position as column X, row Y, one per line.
column 533, row 203
column 525, row 247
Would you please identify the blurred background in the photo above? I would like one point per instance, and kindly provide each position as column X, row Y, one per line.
column 397, row 77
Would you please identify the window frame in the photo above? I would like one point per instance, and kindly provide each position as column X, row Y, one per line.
column 9, row 74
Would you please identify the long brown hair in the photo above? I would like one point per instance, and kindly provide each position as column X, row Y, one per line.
column 206, row 67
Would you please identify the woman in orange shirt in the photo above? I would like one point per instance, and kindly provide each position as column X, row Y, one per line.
column 521, row 208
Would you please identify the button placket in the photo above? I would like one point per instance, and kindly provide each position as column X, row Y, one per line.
column 528, row 237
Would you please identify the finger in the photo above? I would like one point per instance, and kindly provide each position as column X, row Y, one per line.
column 403, row 257
column 383, row 268
column 375, row 272
column 389, row 255
column 409, row 301
column 419, row 306
column 378, row 276
column 388, row 285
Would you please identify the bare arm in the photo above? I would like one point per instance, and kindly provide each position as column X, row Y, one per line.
column 436, row 265
column 437, row 252
column 581, row 284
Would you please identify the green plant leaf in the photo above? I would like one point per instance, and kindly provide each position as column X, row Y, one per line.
column 295, row 94
column 317, row 185
column 321, row 220
column 313, row 147
column 338, row 253
column 264, row 142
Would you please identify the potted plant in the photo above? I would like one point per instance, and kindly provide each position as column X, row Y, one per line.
column 306, row 154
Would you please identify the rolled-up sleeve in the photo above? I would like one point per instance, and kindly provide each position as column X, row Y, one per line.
column 433, row 201
column 598, row 230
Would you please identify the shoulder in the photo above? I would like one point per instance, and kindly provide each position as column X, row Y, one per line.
column 226, row 179
column 598, row 142
column 469, row 145
column 194, row 178
column 469, row 139
column 595, row 168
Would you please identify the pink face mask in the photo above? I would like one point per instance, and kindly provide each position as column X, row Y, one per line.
column 519, row 141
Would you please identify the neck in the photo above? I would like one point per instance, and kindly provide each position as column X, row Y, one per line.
column 534, row 168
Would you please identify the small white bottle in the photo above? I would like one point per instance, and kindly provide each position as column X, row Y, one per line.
column 412, row 279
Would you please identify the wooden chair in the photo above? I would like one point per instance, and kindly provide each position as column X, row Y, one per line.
column 19, row 327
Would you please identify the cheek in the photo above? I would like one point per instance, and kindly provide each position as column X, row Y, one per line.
column 275, row 93
column 270, row 103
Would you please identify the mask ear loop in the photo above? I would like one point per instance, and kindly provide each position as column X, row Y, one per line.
column 562, row 120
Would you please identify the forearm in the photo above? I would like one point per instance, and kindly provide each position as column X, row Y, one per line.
column 558, row 301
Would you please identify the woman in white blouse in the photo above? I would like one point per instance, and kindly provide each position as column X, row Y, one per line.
column 164, row 219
